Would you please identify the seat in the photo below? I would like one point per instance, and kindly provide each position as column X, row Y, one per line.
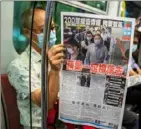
column 9, row 99
column 13, row 114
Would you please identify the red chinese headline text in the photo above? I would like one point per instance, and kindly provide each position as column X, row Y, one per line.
column 108, row 69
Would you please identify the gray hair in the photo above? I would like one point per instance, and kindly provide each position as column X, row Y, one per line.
column 27, row 17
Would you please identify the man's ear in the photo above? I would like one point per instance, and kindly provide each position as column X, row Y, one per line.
column 26, row 32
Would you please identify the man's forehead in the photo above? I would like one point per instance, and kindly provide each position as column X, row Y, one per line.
column 97, row 36
column 37, row 11
column 39, row 18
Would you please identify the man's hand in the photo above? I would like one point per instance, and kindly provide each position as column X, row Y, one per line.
column 132, row 73
column 139, row 71
column 56, row 57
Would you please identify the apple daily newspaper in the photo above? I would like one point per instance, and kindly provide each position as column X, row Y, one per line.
column 94, row 75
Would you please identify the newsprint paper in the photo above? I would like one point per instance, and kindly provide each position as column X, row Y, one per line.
column 93, row 80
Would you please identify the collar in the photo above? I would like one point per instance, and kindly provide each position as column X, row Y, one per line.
column 34, row 54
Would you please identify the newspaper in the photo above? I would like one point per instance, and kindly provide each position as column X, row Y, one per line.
column 93, row 80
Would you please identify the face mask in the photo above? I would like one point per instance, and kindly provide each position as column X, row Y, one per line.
column 104, row 37
column 52, row 38
column 70, row 50
column 40, row 39
column 93, row 32
column 134, row 47
column 108, row 35
column 97, row 42
column 89, row 38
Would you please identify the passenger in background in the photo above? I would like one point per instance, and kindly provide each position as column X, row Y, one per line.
column 133, row 93
column 132, row 64
column 137, row 47
column 134, row 67
column 139, row 54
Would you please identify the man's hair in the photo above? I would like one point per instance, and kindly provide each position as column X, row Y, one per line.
column 27, row 17
column 98, row 35
column 110, row 29
column 89, row 32
column 99, row 30
column 73, row 43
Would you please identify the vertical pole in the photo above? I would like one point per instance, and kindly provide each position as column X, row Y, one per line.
column 44, row 69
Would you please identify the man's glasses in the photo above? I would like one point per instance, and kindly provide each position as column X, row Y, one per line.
column 54, row 26
column 123, row 58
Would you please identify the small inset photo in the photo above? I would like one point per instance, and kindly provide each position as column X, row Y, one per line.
column 84, row 80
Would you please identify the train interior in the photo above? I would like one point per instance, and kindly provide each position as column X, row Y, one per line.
column 14, row 43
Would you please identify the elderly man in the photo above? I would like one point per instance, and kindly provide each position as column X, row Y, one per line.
column 18, row 71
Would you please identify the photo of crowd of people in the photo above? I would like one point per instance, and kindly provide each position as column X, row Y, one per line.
column 91, row 44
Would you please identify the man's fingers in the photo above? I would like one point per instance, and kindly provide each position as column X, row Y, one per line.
column 57, row 62
column 56, row 46
column 57, row 56
column 56, row 50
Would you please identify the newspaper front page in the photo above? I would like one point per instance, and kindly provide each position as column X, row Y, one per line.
column 93, row 80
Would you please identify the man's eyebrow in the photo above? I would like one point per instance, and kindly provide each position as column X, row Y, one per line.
column 41, row 26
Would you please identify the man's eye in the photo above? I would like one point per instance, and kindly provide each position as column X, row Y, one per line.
column 42, row 30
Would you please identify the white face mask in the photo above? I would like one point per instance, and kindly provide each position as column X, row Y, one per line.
column 70, row 50
column 109, row 35
column 104, row 36
column 134, row 47
column 89, row 38
column 97, row 42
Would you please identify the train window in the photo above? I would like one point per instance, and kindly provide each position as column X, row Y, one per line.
column 20, row 41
